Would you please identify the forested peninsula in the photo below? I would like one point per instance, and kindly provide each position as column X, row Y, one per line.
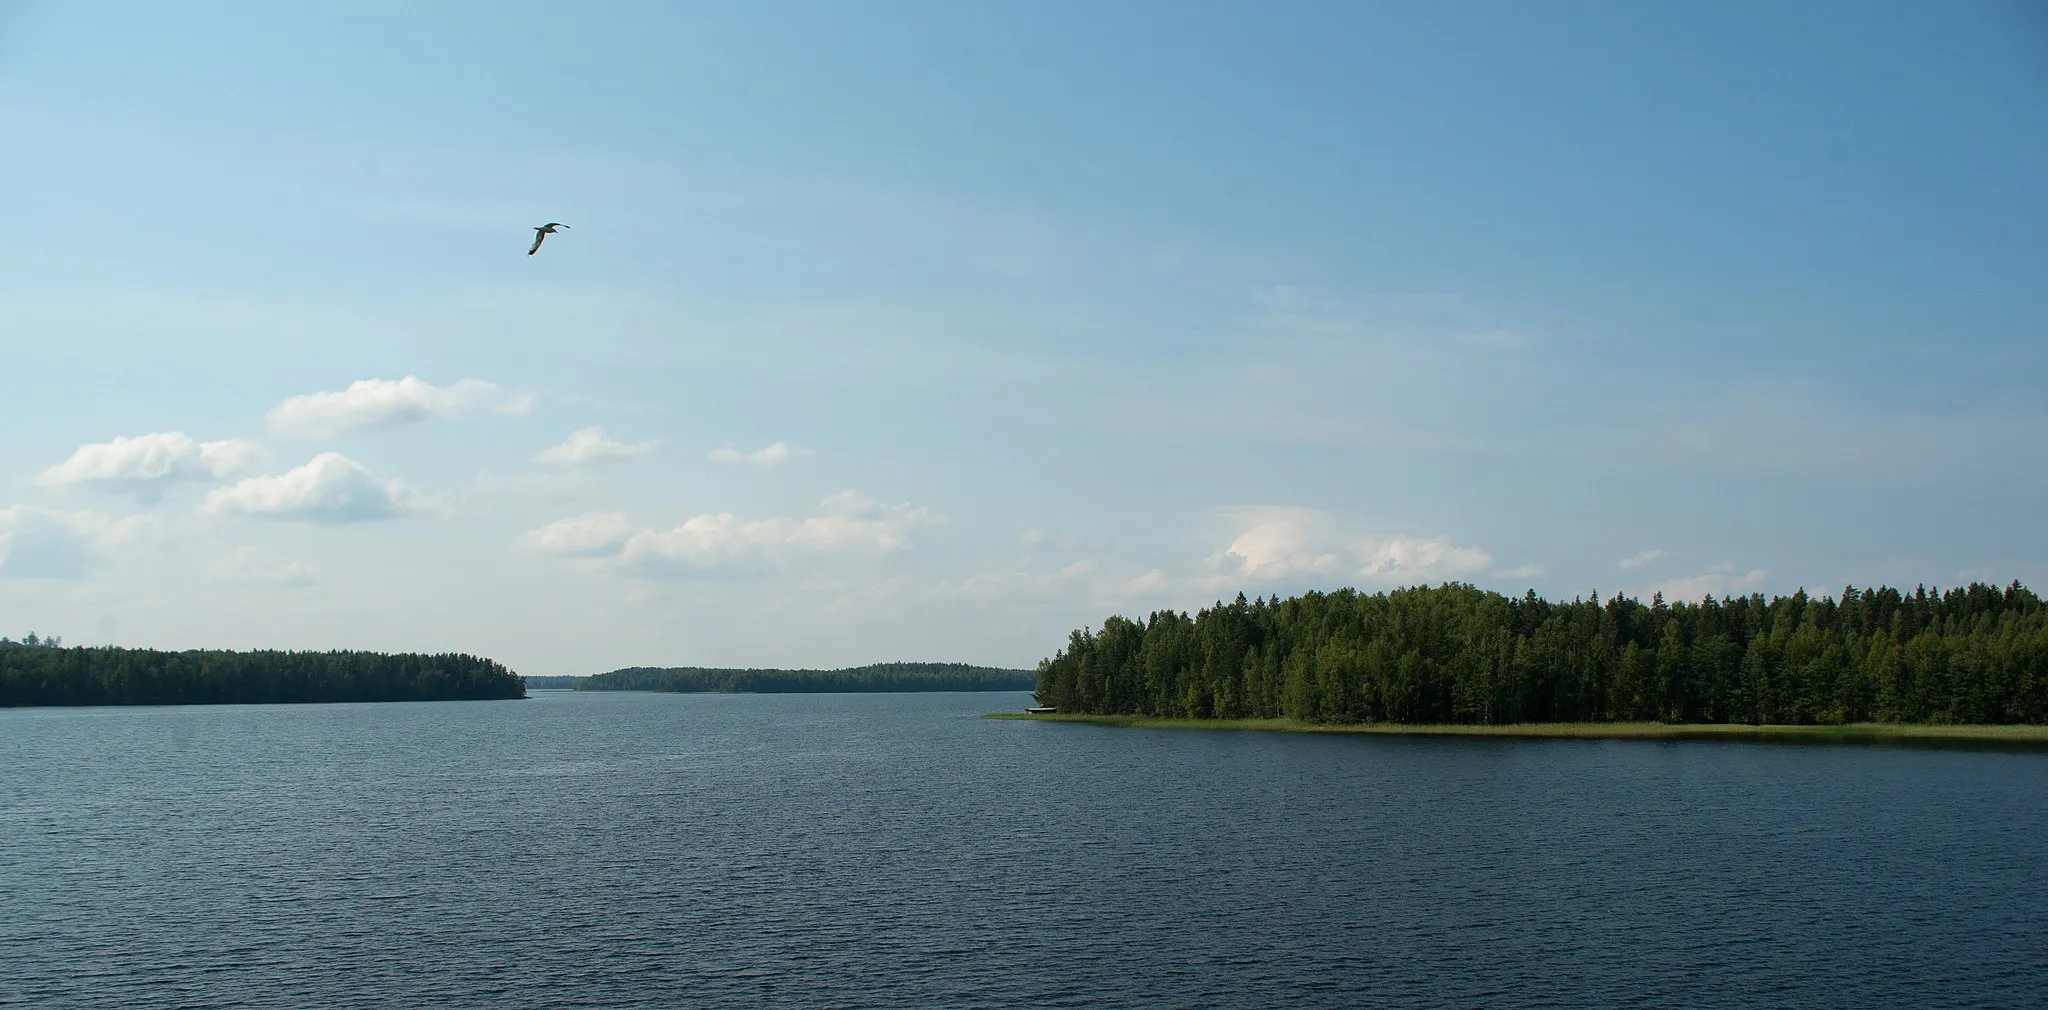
column 1455, row 654
column 878, row 677
column 33, row 672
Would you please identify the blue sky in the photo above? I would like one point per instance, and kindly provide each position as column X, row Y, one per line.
column 934, row 330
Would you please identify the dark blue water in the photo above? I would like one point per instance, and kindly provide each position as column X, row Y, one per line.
column 633, row 850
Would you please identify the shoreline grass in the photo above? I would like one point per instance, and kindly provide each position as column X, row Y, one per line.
column 1914, row 735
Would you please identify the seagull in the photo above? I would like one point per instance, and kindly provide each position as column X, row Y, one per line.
column 541, row 234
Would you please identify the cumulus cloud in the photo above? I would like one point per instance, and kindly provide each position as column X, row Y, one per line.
column 585, row 445
column 848, row 525
column 772, row 454
column 1718, row 581
column 853, row 522
column 1639, row 560
column 143, row 464
column 1282, row 542
column 1522, row 572
column 330, row 489
column 1291, row 542
column 1411, row 557
column 1147, row 583
column 383, row 403
column 37, row 543
column 586, row 536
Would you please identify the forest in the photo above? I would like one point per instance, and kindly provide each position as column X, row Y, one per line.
column 41, row 672
column 1456, row 654
column 557, row 682
column 877, row 677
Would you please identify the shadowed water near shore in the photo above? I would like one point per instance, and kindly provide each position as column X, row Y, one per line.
column 2033, row 738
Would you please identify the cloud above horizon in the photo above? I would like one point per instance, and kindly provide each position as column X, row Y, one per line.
column 1283, row 542
column 847, row 525
column 1638, row 560
column 586, row 536
column 370, row 404
column 329, row 489
column 586, row 445
column 143, row 464
column 772, row 454
column 1719, row 581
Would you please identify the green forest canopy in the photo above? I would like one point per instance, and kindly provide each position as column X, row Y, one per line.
column 875, row 677
column 1457, row 654
column 39, row 672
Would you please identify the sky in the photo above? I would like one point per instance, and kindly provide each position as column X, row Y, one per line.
column 937, row 330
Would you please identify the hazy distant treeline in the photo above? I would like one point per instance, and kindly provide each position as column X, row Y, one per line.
column 1456, row 654
column 43, row 675
column 551, row 683
column 878, row 677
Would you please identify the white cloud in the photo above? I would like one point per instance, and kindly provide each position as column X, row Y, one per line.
column 1639, row 560
column 1291, row 542
column 38, row 543
column 772, row 454
column 586, row 536
column 1412, row 558
column 1718, row 581
column 848, row 525
column 1030, row 536
column 384, row 403
column 144, row 463
column 706, row 543
column 1522, row 572
column 585, row 445
column 852, row 522
column 330, row 488
column 1281, row 542
column 1146, row 583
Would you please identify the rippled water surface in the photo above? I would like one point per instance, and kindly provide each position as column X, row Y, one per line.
column 635, row 850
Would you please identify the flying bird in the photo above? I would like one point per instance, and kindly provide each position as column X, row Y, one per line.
column 541, row 234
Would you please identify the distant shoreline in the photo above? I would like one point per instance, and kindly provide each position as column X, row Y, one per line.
column 874, row 678
column 2018, row 737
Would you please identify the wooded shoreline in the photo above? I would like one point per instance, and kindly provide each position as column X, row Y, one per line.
column 45, row 675
column 1455, row 654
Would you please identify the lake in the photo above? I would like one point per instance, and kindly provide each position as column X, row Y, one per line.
column 637, row 850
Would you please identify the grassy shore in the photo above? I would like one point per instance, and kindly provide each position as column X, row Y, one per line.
column 2017, row 737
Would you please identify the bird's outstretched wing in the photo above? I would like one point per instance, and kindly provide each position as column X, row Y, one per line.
column 539, row 236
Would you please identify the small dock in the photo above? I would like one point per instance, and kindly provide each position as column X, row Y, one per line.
column 1041, row 710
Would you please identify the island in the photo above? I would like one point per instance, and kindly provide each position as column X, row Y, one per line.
column 876, row 677
column 40, row 672
column 1455, row 658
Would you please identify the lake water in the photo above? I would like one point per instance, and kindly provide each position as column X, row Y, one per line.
column 635, row 850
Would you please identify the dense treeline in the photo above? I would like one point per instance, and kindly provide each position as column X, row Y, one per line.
column 877, row 677
column 551, row 683
column 1456, row 654
column 31, row 675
